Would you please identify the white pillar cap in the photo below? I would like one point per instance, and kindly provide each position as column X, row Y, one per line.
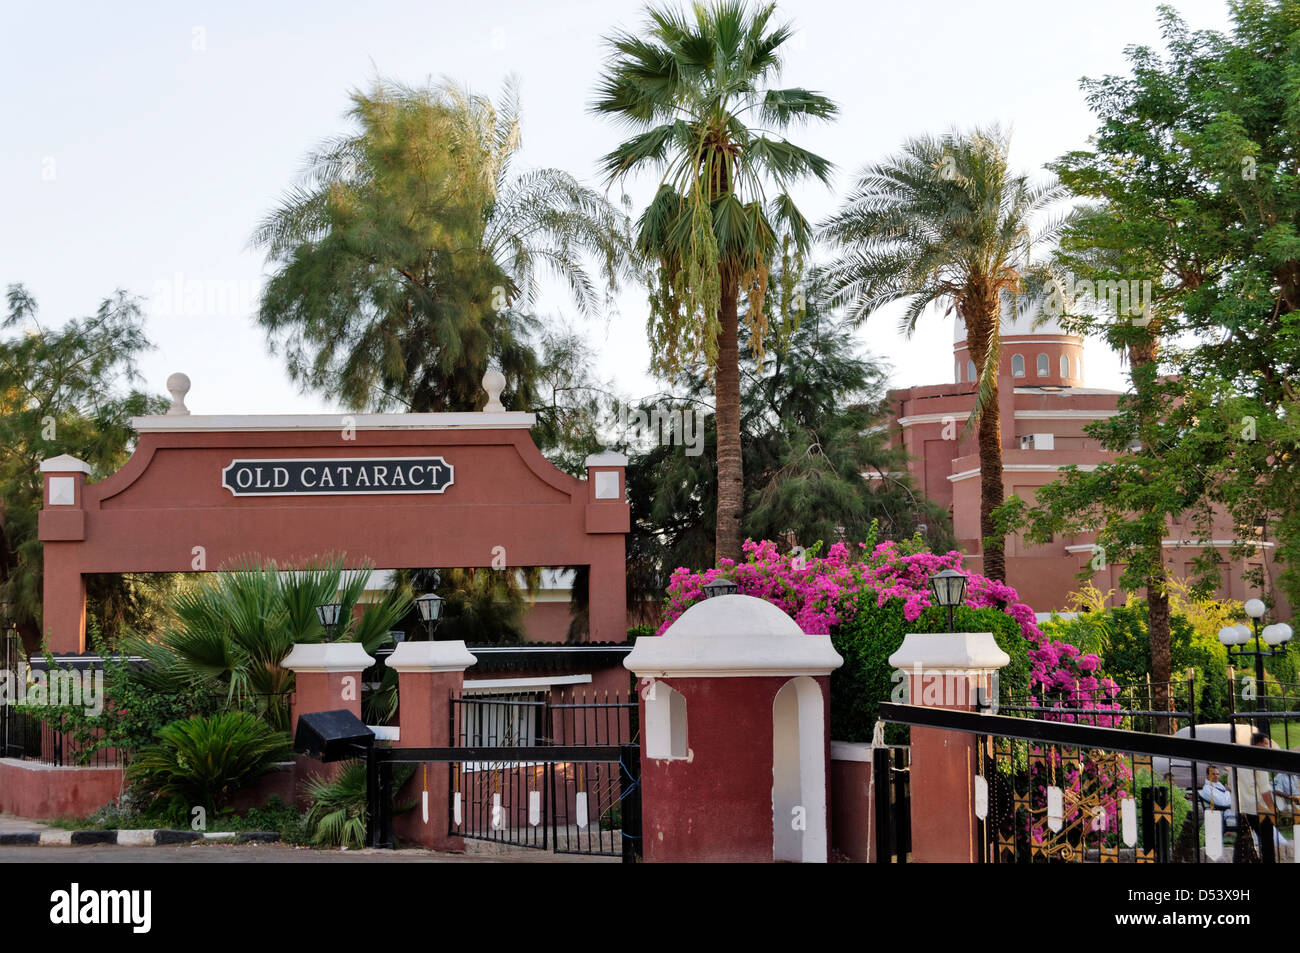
column 949, row 652
column 64, row 463
column 327, row 657
column 733, row 637
column 431, row 657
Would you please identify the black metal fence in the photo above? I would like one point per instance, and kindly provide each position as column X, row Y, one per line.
column 578, row 789
column 42, row 738
column 1069, row 784
column 891, row 783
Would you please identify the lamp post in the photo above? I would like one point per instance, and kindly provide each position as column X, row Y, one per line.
column 720, row 587
column 328, row 614
column 949, row 588
column 430, row 608
column 1235, row 638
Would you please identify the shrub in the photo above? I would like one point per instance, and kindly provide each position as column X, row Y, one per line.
column 203, row 760
column 1119, row 635
column 866, row 678
column 338, row 813
column 337, row 816
column 880, row 592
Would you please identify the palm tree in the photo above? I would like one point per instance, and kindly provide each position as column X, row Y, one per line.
column 232, row 629
column 406, row 261
column 690, row 87
column 946, row 221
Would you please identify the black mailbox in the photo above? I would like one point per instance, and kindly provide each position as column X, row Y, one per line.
column 332, row 735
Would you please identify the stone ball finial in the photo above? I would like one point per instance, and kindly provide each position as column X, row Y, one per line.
column 178, row 385
column 494, row 382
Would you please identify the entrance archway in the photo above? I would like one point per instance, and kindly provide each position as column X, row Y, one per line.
column 389, row 490
column 798, row 773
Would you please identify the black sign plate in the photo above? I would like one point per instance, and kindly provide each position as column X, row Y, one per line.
column 348, row 476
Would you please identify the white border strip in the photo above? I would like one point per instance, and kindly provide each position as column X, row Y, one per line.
column 248, row 423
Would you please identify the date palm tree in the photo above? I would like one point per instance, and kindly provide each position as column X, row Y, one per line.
column 695, row 89
column 947, row 222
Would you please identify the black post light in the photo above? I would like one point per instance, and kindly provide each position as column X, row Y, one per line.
column 329, row 614
column 720, row 587
column 949, row 589
column 429, row 606
column 1236, row 637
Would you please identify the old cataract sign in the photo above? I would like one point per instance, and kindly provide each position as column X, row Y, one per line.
column 347, row 476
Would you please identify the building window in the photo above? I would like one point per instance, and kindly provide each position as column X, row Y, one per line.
column 1044, row 365
column 1017, row 365
column 970, row 370
column 1065, row 365
column 958, row 372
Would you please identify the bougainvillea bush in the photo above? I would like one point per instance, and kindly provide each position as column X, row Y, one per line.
column 867, row 597
column 823, row 593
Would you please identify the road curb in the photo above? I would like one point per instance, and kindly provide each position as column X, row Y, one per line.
column 132, row 838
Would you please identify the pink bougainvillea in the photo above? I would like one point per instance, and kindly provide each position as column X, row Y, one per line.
column 820, row 592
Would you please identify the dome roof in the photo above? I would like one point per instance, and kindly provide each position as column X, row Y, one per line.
column 733, row 635
column 1026, row 325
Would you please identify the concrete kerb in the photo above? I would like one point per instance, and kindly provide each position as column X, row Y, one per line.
column 132, row 838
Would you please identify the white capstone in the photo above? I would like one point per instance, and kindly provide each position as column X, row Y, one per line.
column 606, row 458
column 851, row 751
column 451, row 656
column 274, row 423
column 949, row 652
column 178, row 385
column 494, row 382
column 63, row 491
column 733, row 636
column 327, row 657
column 607, row 485
column 64, row 463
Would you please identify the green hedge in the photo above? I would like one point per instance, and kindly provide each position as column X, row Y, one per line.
column 1119, row 636
column 866, row 678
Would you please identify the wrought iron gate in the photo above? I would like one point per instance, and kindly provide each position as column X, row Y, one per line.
column 557, row 773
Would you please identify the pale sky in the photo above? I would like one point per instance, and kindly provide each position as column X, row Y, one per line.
column 143, row 141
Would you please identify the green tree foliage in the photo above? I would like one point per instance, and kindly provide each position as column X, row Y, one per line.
column 66, row 390
column 202, row 761
column 407, row 259
column 695, row 89
column 874, row 633
column 1120, row 637
column 947, row 222
column 818, row 464
column 232, row 629
column 1194, row 176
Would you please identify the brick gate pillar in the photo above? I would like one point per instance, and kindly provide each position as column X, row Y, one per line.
column 951, row 670
column 428, row 674
column 61, row 526
column 327, row 676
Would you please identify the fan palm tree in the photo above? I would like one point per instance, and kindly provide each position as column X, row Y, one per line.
column 407, row 258
column 232, row 630
column 947, row 222
column 695, row 89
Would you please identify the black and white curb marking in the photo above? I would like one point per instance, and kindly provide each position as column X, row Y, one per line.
column 131, row 838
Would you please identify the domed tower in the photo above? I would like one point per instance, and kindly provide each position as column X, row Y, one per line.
column 1033, row 354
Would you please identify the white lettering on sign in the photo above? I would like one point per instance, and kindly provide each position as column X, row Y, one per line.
column 344, row 476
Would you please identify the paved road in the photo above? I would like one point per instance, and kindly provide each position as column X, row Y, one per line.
column 275, row 854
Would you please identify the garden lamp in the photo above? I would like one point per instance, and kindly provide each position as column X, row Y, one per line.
column 949, row 588
column 329, row 614
column 720, row 587
column 1275, row 636
column 429, row 606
